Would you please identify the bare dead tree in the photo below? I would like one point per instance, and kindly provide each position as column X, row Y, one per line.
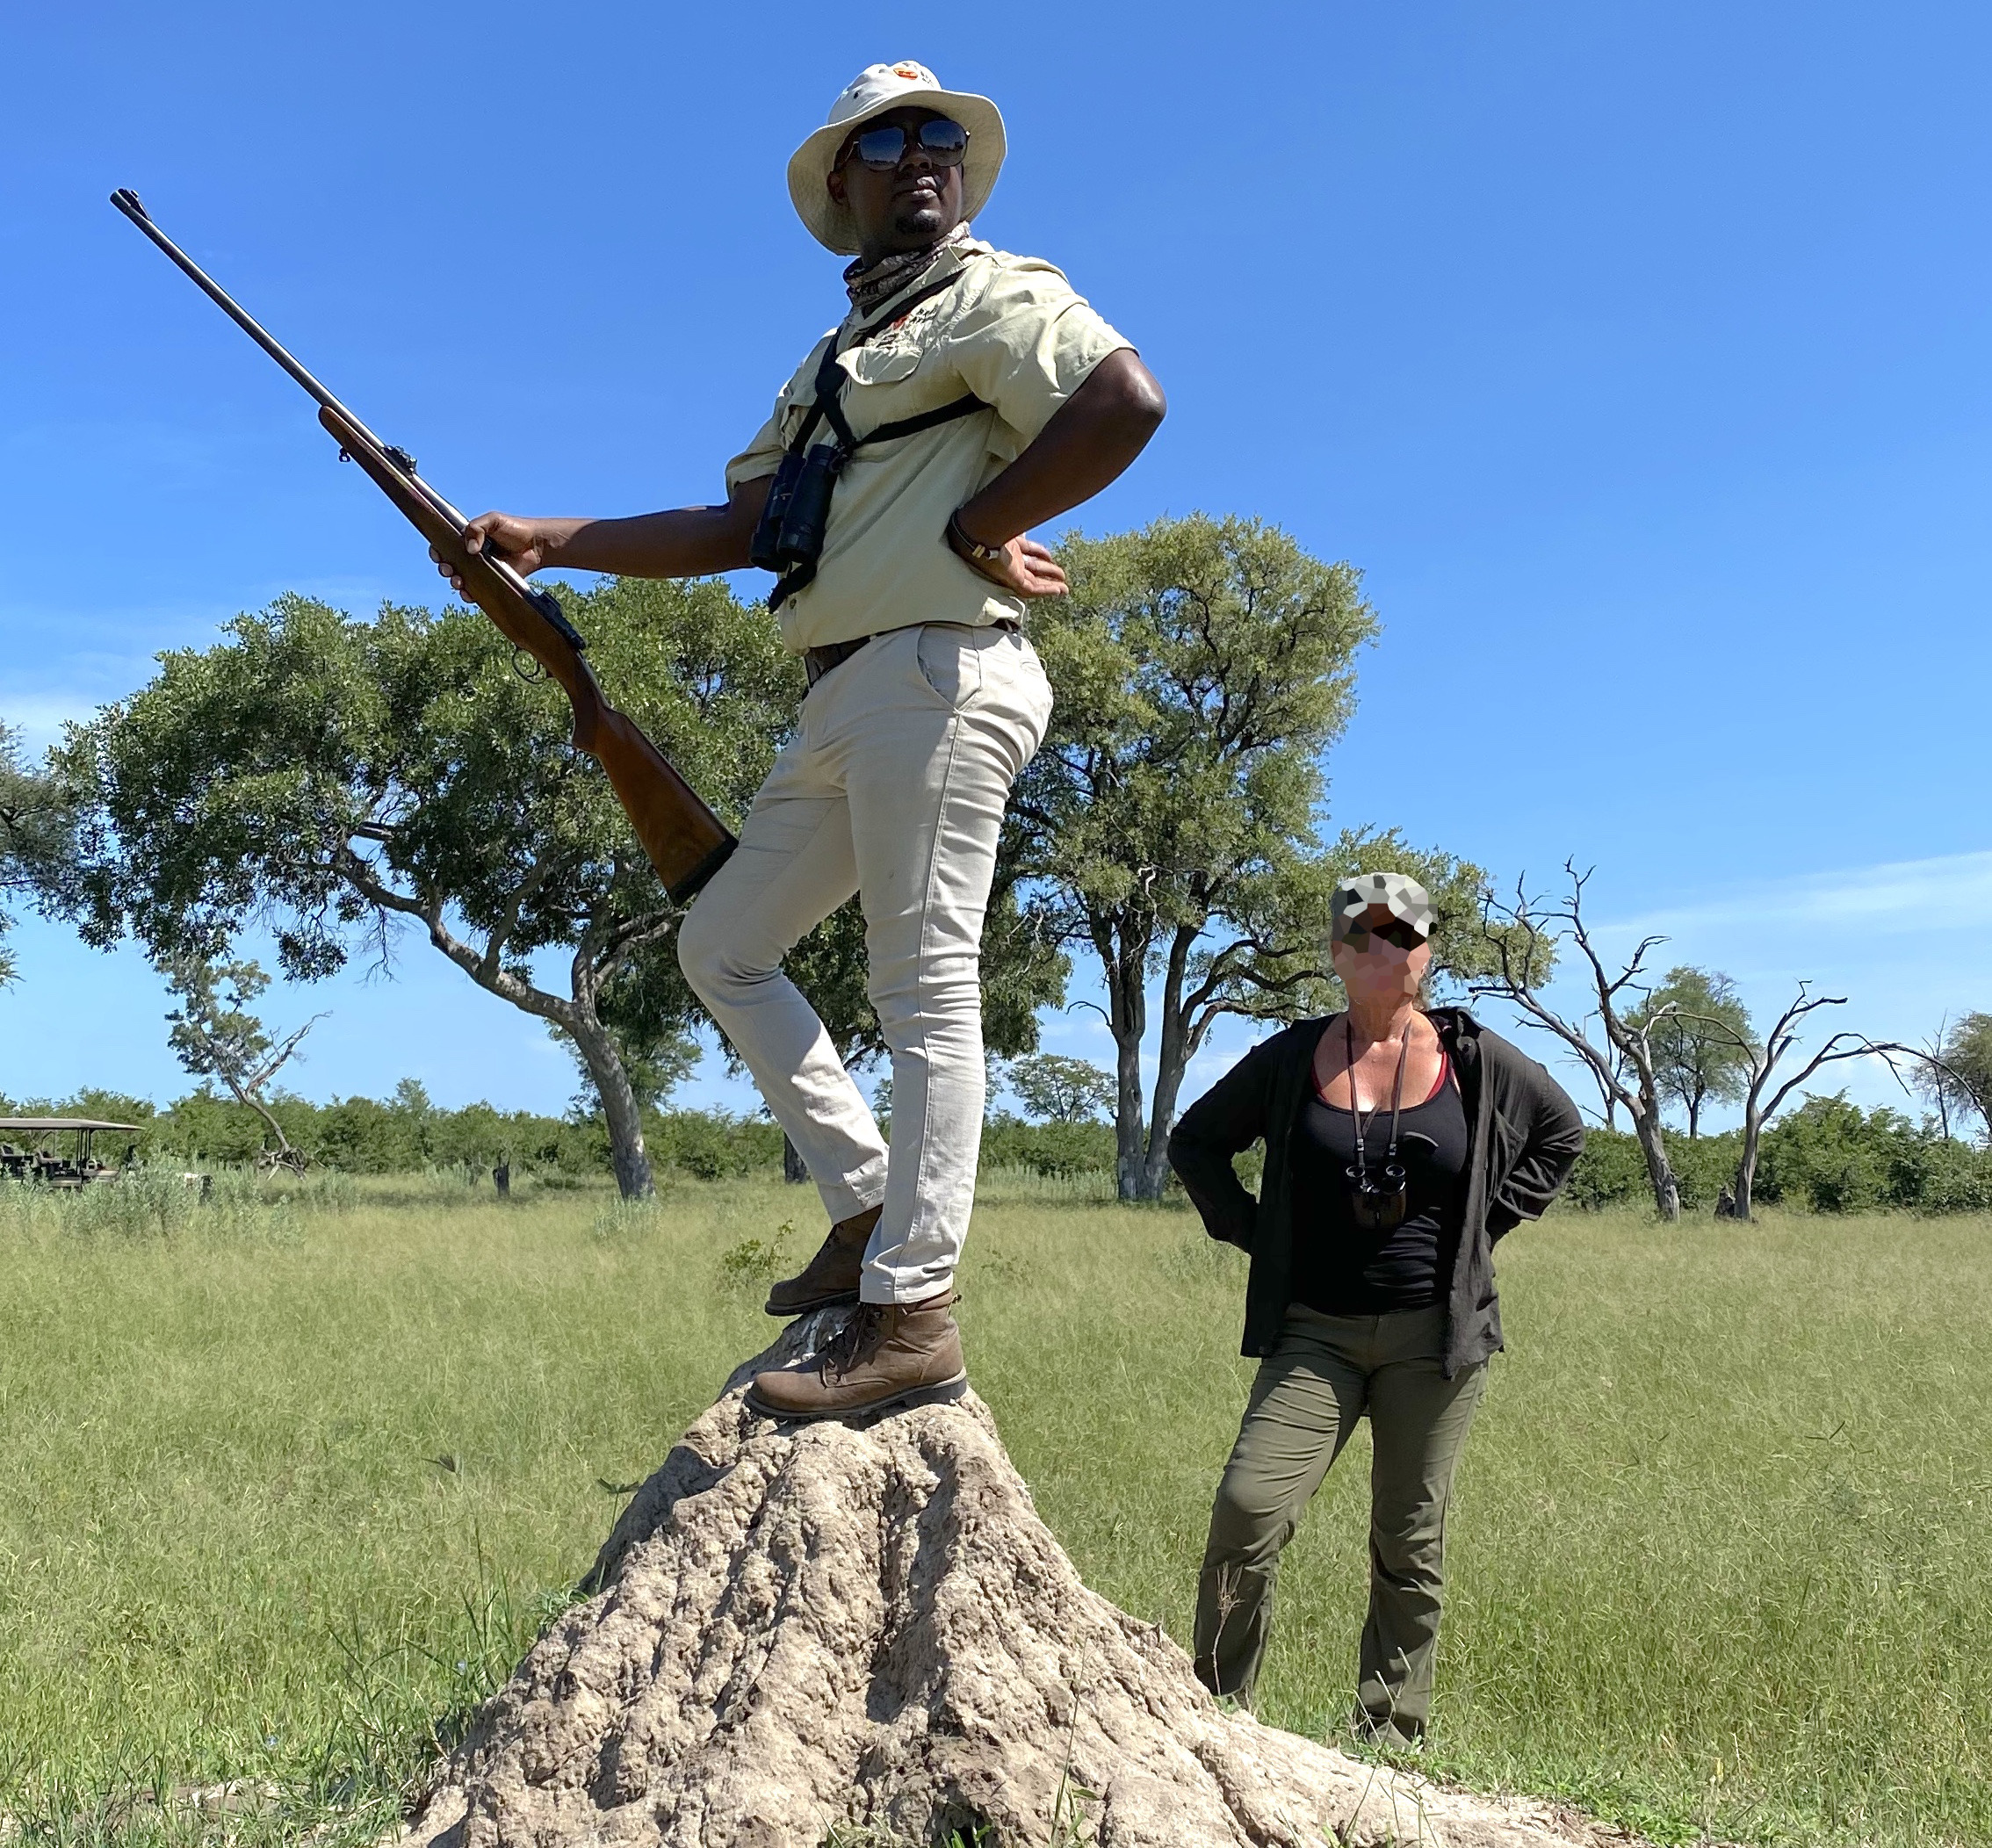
column 215, row 1035
column 1952, row 1071
column 1761, row 1103
column 1936, row 1080
column 1523, row 934
column 1930, row 1080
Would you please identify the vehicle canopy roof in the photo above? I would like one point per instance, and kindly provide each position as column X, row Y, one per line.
column 37, row 1125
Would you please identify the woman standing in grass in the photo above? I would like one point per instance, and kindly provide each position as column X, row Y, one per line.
column 1400, row 1145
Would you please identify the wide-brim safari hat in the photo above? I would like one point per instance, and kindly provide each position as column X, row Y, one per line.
column 876, row 90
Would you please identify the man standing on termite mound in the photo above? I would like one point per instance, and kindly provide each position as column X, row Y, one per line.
column 968, row 396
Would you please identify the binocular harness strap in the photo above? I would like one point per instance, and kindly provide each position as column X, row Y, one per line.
column 828, row 408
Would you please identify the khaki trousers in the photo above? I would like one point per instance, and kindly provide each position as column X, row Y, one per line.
column 893, row 787
column 1326, row 1373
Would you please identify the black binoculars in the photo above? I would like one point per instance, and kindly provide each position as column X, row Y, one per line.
column 1378, row 1197
column 788, row 536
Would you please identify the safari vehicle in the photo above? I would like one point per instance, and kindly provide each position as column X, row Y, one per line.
column 42, row 1161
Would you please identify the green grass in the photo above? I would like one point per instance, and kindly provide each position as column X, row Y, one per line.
column 285, row 1487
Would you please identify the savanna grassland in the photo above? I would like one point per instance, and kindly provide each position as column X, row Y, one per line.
column 284, row 1488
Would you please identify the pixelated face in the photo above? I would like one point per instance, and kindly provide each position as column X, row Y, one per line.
column 1379, row 957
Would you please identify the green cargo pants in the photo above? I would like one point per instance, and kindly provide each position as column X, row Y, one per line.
column 1326, row 1373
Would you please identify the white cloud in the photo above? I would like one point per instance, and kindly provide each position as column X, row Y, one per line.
column 1950, row 893
column 39, row 717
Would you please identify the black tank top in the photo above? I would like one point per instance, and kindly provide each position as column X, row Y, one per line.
column 1338, row 1269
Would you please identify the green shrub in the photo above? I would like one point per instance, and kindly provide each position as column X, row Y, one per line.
column 1945, row 1177
column 758, row 1262
column 1611, row 1172
column 1057, row 1150
column 1829, row 1156
column 1825, row 1156
column 712, row 1146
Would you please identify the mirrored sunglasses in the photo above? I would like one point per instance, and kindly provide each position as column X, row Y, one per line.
column 943, row 142
column 1396, row 933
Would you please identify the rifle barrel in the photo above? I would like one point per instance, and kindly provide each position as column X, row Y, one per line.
column 129, row 203
column 133, row 208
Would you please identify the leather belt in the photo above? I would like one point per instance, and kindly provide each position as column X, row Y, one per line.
column 819, row 661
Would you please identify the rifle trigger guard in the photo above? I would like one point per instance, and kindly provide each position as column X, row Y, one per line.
column 532, row 677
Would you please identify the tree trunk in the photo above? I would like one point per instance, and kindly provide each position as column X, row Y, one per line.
column 1127, row 1003
column 575, row 1015
column 1746, row 1166
column 626, row 1152
column 795, row 1170
column 283, row 1155
column 1131, row 1158
column 1173, row 1056
column 1659, row 1170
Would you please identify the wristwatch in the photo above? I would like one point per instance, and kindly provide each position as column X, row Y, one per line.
column 988, row 559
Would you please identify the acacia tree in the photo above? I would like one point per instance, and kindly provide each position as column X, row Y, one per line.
column 1061, row 1089
column 1700, row 1035
column 215, row 1035
column 1522, row 937
column 326, row 777
column 1169, row 823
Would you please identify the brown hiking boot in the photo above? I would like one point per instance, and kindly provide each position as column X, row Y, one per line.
column 889, row 1354
column 832, row 1275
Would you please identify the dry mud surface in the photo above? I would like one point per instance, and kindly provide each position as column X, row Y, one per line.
column 799, row 1627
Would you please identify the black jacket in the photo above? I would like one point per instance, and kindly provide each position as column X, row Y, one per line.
column 1523, row 1136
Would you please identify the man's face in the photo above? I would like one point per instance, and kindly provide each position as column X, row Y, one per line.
column 907, row 208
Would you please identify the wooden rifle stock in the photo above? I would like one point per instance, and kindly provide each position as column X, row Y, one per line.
column 686, row 841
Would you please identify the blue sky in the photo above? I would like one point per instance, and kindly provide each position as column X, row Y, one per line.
column 1636, row 354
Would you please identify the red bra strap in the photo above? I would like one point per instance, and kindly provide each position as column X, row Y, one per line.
column 1444, row 1073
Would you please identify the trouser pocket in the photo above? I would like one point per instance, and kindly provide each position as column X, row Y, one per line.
column 950, row 662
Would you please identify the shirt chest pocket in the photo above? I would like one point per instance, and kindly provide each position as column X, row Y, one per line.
column 887, row 381
column 881, row 365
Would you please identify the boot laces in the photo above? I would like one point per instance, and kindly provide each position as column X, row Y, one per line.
column 852, row 1342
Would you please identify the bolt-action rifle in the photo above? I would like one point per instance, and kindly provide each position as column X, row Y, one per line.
column 686, row 841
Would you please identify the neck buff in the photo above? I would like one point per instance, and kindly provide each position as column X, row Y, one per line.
column 870, row 288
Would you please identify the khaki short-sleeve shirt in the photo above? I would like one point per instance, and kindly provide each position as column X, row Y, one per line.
column 1009, row 329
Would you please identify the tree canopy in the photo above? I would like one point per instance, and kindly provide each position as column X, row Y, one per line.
column 1059, row 1089
column 1701, row 1037
column 1956, row 1074
column 34, row 828
column 215, row 1035
column 1171, row 823
column 325, row 777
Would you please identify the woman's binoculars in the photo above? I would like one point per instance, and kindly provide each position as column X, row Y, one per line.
column 1378, row 1197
